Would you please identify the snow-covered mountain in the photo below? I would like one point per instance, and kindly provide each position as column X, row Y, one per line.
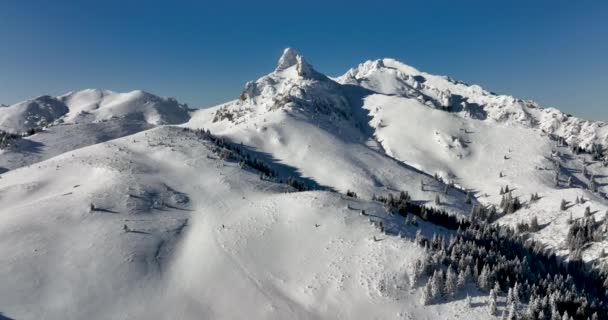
column 391, row 77
column 79, row 119
column 386, row 126
column 128, row 206
column 89, row 106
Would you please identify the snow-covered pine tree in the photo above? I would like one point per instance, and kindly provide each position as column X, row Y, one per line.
column 450, row 282
column 585, row 172
column 534, row 224
column 437, row 286
column 512, row 315
column 482, row 280
column 593, row 185
column 463, row 277
column 516, row 293
column 492, row 303
column 426, row 296
column 510, row 296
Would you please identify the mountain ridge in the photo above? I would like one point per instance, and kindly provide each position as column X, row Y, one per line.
column 91, row 105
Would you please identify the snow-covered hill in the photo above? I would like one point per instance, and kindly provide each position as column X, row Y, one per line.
column 90, row 106
column 155, row 225
column 55, row 125
column 30, row 114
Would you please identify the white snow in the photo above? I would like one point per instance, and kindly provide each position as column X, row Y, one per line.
column 205, row 239
column 92, row 105
column 110, row 214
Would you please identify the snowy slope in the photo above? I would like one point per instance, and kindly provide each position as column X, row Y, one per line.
column 203, row 239
column 59, row 139
column 110, row 213
column 94, row 105
column 386, row 126
column 316, row 125
column 391, row 77
column 80, row 119
column 485, row 142
column 31, row 114
column 91, row 105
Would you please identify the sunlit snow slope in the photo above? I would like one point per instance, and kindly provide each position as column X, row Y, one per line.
column 155, row 225
column 386, row 126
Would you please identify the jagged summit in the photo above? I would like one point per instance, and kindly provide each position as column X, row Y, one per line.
column 288, row 59
column 292, row 61
column 293, row 85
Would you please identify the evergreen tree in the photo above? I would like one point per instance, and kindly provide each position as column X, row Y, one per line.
column 492, row 307
column 450, row 282
column 562, row 205
column 416, row 272
column 592, row 185
column 534, row 224
column 463, row 277
column 468, row 200
column 483, row 282
column 426, row 296
column 437, row 286
column 437, row 200
column 512, row 312
column 510, row 296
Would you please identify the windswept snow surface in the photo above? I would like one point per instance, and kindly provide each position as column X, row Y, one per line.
column 177, row 233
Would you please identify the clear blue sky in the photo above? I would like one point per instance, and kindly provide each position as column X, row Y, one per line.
column 202, row 52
